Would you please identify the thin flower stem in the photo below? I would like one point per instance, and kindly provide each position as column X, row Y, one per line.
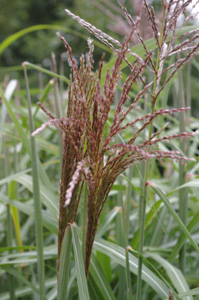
column 84, row 218
column 142, row 207
column 126, row 215
column 40, row 69
column 121, row 241
column 9, row 236
column 61, row 82
column 57, row 107
column 183, row 200
column 44, row 95
column 36, row 195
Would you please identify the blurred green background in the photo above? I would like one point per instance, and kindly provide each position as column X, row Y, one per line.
column 36, row 47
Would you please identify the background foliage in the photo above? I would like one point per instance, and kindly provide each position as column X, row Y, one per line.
column 163, row 237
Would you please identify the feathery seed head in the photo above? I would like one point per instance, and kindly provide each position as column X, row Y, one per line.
column 90, row 151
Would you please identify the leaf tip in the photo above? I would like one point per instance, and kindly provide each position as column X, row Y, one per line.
column 149, row 183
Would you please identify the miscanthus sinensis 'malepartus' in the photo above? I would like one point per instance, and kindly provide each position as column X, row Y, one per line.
column 91, row 152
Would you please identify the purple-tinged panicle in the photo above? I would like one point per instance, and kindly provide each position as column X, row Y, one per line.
column 90, row 154
column 54, row 122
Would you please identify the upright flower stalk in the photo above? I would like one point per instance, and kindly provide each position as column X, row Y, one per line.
column 158, row 69
column 91, row 154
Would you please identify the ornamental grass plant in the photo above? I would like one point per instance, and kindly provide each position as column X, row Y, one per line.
column 115, row 121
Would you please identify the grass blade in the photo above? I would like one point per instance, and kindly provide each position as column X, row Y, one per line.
column 100, row 280
column 8, row 94
column 44, row 95
column 117, row 254
column 15, row 214
column 24, row 139
column 120, row 240
column 12, row 38
column 50, row 73
column 174, row 274
column 107, row 221
column 24, row 291
column 193, row 292
column 126, row 215
column 182, row 239
column 49, row 199
column 149, row 217
column 79, row 265
column 64, row 264
column 173, row 213
column 18, row 275
column 9, row 233
column 190, row 184
column 49, row 222
column 36, row 196
column 183, row 195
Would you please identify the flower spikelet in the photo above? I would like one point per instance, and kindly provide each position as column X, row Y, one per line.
column 74, row 181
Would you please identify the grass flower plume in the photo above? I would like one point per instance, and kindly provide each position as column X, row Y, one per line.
column 91, row 152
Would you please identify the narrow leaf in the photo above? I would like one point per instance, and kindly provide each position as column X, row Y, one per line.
column 36, row 196
column 117, row 254
column 173, row 213
column 175, row 275
column 64, row 264
column 79, row 266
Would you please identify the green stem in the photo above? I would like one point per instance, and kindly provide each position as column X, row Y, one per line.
column 183, row 199
column 64, row 264
column 9, row 235
column 57, row 108
column 142, row 207
column 61, row 81
column 84, row 219
column 44, row 95
column 40, row 69
column 36, row 195
column 121, row 241
column 126, row 215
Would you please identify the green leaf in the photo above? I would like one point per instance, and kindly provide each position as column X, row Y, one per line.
column 192, row 292
column 14, row 37
column 5, row 249
column 27, row 258
column 182, row 239
column 191, row 184
column 117, row 254
column 49, row 221
column 49, row 199
column 12, row 177
column 79, row 265
column 149, row 217
column 64, row 264
column 173, row 213
column 44, row 95
column 134, row 188
column 50, row 73
column 24, row 291
column 100, row 279
column 106, row 222
column 8, row 94
column 175, row 275
column 25, row 141
column 36, row 195
column 18, row 275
